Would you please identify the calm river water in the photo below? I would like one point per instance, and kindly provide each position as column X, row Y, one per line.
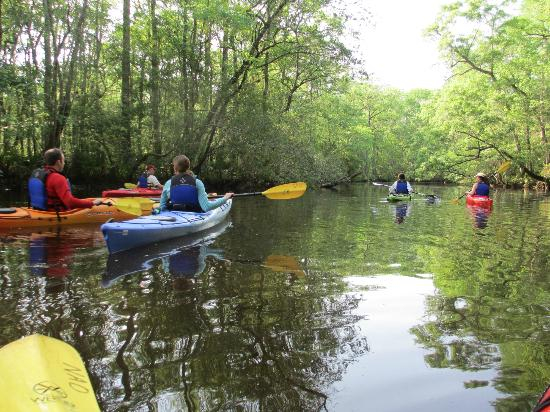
column 337, row 301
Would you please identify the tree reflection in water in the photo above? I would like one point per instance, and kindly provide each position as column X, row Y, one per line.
column 201, row 331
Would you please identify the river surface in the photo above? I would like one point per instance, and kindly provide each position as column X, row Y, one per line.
column 334, row 301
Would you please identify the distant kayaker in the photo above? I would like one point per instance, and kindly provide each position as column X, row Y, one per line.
column 49, row 189
column 481, row 186
column 184, row 191
column 148, row 180
column 401, row 186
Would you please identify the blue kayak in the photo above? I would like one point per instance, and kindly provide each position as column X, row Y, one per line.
column 145, row 230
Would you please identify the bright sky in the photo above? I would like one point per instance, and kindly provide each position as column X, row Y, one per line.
column 394, row 51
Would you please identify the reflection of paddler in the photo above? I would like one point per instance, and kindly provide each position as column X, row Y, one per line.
column 286, row 264
column 402, row 210
column 49, row 256
column 188, row 263
column 50, row 253
column 480, row 216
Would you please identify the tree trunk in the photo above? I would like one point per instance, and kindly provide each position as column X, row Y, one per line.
column 225, row 56
column 49, row 102
column 155, row 92
column 64, row 109
column 185, row 75
column 126, row 91
column 211, row 122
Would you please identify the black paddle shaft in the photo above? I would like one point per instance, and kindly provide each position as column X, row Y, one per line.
column 237, row 194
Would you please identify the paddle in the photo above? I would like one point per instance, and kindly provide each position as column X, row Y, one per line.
column 130, row 186
column 131, row 205
column 40, row 373
column 281, row 192
column 501, row 169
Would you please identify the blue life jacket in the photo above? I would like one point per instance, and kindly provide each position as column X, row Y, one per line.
column 142, row 181
column 183, row 194
column 38, row 197
column 401, row 187
column 482, row 189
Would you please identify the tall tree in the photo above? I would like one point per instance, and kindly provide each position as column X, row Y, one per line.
column 126, row 87
column 155, row 79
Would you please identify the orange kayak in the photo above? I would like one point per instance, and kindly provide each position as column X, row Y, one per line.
column 16, row 217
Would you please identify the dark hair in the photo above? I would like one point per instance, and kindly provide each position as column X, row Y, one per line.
column 401, row 176
column 182, row 163
column 52, row 155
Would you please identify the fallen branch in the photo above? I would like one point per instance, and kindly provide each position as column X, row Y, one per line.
column 345, row 179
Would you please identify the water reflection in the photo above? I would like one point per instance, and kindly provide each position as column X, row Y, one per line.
column 480, row 216
column 183, row 258
column 51, row 253
column 401, row 211
column 274, row 323
column 187, row 263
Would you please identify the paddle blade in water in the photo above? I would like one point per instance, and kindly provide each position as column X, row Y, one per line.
column 130, row 185
column 40, row 373
column 286, row 191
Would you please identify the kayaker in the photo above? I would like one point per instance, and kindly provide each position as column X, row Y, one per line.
column 184, row 191
column 148, row 180
column 401, row 186
column 49, row 189
column 481, row 186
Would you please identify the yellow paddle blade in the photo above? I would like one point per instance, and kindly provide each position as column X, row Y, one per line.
column 40, row 373
column 286, row 191
column 136, row 206
column 282, row 263
column 130, row 185
column 504, row 167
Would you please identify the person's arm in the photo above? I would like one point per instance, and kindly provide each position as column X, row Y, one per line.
column 409, row 188
column 153, row 182
column 59, row 185
column 206, row 204
column 393, row 188
column 165, row 196
column 473, row 191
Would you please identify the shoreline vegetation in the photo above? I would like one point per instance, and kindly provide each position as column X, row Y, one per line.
column 267, row 92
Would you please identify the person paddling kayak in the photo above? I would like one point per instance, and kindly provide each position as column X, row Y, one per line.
column 49, row 188
column 184, row 191
column 401, row 186
column 148, row 180
column 481, row 186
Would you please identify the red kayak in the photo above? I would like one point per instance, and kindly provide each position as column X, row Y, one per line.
column 138, row 192
column 479, row 201
column 544, row 402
